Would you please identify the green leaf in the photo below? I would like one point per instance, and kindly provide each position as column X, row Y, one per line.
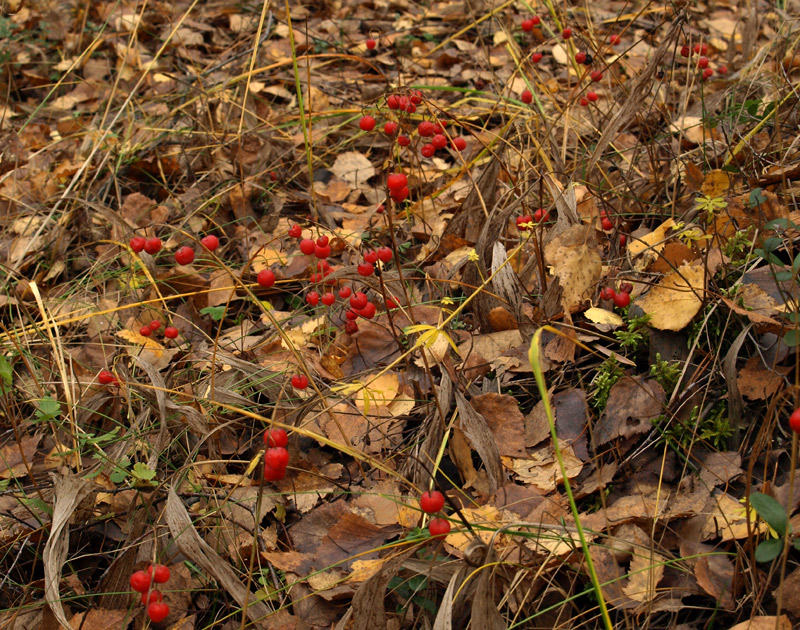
column 783, row 276
column 6, row 371
column 792, row 338
column 142, row 472
column 216, row 312
column 768, row 550
column 48, row 408
column 757, row 197
column 771, row 511
column 781, row 223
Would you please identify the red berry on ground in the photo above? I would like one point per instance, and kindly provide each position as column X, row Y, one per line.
column 614, row 40
column 427, row 150
column 596, row 75
column 527, row 25
column 702, row 62
column 307, row 246
column 403, row 141
column 104, row 377
column 371, row 43
column 312, row 298
column 606, row 224
column 345, row 292
column 276, row 437
column 459, row 143
column 396, row 181
column 295, row 231
column 299, row 381
column 365, row 269
column 607, row 293
column 210, row 242
column 276, row 457
column 265, row 278
column 170, row 332
column 151, row 597
column 385, row 254
column 155, row 325
column 439, row 141
column 431, row 501
column 536, row 57
column 140, row 581
column 580, row 57
column 390, row 128
column 157, row 611
column 526, row 97
column 566, row 33
column 592, row 97
column 367, row 123
column 622, row 299
column 159, row 572
column 438, row 527
column 351, row 328
column 152, row 245
column 137, row 243
column 794, row 421
column 184, row 255
column 145, row 331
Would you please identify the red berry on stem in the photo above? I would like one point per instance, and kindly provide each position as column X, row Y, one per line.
column 358, row 300
column 622, row 299
column 722, row 70
column 273, row 474
column 276, row 457
column 614, row 40
column 151, row 597
column 626, row 287
column 536, row 57
column 385, row 254
column 351, row 328
column 299, row 381
column 526, row 97
column 345, row 292
column 592, row 97
column 365, row 269
column 152, row 245
column 396, row 181
column 322, row 251
column 392, row 102
column 459, row 144
column 702, row 62
column 685, row 51
column 371, row 43
column 426, row 129
column 606, row 224
column 312, row 298
column 794, row 421
column 276, row 437
column 536, row 20
column 439, row 141
column 210, row 242
column 596, row 75
column 307, row 246
column 427, row 150
column 438, row 527
column 170, row 332
column 431, row 501
column 707, row 73
column 566, row 33
column 265, row 278
column 157, row 611
column 159, row 572
column 400, row 195
column 368, row 312
column 622, row 240
column 371, row 256
column 523, row 222
column 328, row 298
column 607, row 293
column 403, row 141
column 137, row 243
column 145, row 331
column 390, row 128
column 584, row 102
column 140, row 581
column 527, row 25
column 155, row 325
column 295, row 231
column 184, row 256
column 367, row 123
column 323, row 240
column 104, row 377
column 580, row 57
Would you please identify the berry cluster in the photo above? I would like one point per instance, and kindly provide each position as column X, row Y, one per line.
column 431, row 502
column 526, row 221
column 434, row 130
column 142, row 581
column 701, row 50
column 621, row 299
column 276, row 457
column 170, row 332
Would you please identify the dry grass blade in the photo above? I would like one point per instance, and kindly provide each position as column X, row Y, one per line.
column 194, row 547
column 68, row 493
column 444, row 617
column 475, row 428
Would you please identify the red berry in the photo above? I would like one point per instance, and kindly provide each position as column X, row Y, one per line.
column 152, row 245
column 137, row 243
column 328, row 298
column 371, row 43
column 157, row 611
column 390, row 303
column 184, row 256
column 380, row 209
column 403, row 141
column 527, row 25
column 526, row 97
column 392, row 102
column 622, row 299
column 385, row 254
column 701, row 49
column 358, row 300
column 416, row 97
column 626, row 287
column 541, row 215
column 536, row 20
column 400, row 195
column 596, row 75
column 312, row 298
column 371, row 256
column 299, row 381
column 566, row 33
column 145, row 331
column 367, row 123
column 606, row 224
column 368, row 312
column 396, row 181
column 685, row 51
column 438, row 527
column 345, row 292
column 104, row 377
column 351, row 315
column 794, row 421
column 170, row 332
column 140, row 581
column 614, row 40
column 439, row 141
column 722, row 70
column 210, row 242
column 607, row 293
column 592, row 97
column 390, row 128
column 622, row 240
column 426, row 129
column 295, row 231
column 427, row 150
column 323, row 240
column 523, row 222
column 276, row 457
column 151, row 597
column 351, row 328
column 459, row 144
column 159, row 572
column 265, row 278
column 365, row 269
column 307, row 246
column 276, row 437
column 431, row 501
column 322, row 251
column 155, row 325
column 580, row 57
column 702, row 62
column 536, row 57
column 584, row 102
column 273, row 474
column 707, row 73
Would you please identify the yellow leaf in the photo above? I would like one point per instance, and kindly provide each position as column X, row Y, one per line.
column 147, row 342
column 602, row 316
column 674, row 302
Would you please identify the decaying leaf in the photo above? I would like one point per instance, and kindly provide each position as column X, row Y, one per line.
column 575, row 260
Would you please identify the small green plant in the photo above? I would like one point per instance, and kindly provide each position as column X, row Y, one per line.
column 666, row 373
column 714, row 428
column 608, row 374
column 635, row 333
column 775, row 516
